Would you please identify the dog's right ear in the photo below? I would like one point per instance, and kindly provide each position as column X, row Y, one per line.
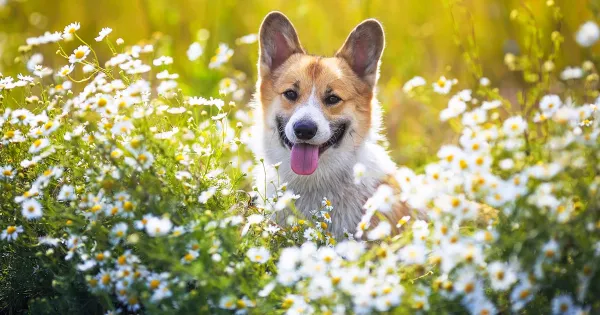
column 277, row 42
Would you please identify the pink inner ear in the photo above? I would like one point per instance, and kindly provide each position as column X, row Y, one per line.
column 282, row 50
column 360, row 57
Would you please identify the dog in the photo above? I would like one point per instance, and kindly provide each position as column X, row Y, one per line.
column 319, row 117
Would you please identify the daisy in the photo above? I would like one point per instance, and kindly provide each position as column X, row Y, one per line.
column 413, row 83
column 382, row 200
column 258, row 254
column 67, row 192
column 413, row 254
column 32, row 209
column 145, row 159
column 39, row 145
column 119, row 230
column 103, row 33
column 588, row 34
column 207, row 194
column 442, row 85
column 65, row 70
column 501, row 275
column 11, row 233
column 158, row 226
column 521, row 295
column 382, row 230
column 551, row 250
column 562, row 304
column 514, row 126
column 79, row 54
column 194, row 51
column 487, row 105
column 71, row 29
column 162, row 61
column 6, row 172
column 223, row 54
column 571, row 73
column 359, row 172
column 549, row 104
column 190, row 256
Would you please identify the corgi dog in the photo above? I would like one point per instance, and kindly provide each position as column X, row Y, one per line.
column 319, row 117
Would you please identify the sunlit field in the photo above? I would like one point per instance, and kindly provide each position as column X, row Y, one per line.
column 126, row 162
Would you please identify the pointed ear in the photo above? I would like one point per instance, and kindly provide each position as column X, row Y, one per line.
column 278, row 41
column 363, row 48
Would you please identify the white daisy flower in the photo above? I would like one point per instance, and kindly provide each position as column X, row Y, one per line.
column 359, row 170
column 549, row 104
column 502, row 276
column 258, row 254
column 38, row 145
column 103, row 33
column 11, row 233
column 32, row 209
column 413, row 83
column 67, row 192
column 571, row 73
column 65, row 70
column 71, row 29
column 562, row 305
column 6, row 172
column 514, row 126
column 79, row 54
column 194, row 51
column 443, row 85
column 158, row 226
column 588, row 34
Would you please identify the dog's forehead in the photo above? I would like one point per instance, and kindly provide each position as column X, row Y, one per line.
column 305, row 71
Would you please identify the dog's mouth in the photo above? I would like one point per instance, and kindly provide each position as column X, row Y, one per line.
column 305, row 156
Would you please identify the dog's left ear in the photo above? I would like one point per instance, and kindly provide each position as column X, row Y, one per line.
column 362, row 50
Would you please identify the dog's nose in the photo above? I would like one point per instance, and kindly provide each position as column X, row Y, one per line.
column 305, row 129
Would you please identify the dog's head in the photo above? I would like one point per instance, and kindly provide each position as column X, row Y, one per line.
column 317, row 105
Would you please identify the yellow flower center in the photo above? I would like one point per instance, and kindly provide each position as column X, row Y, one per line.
column 79, row 54
column 102, row 102
column 154, row 284
column 128, row 205
column 469, row 287
column 11, row 229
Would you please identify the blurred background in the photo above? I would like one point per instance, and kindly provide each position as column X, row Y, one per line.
column 423, row 38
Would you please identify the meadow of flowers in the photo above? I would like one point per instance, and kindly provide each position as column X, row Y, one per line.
column 122, row 195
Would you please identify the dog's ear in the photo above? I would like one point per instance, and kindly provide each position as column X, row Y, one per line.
column 362, row 50
column 278, row 41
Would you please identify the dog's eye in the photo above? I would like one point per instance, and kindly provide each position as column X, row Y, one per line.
column 290, row 95
column 332, row 99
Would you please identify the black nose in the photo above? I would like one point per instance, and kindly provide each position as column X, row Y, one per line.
column 305, row 129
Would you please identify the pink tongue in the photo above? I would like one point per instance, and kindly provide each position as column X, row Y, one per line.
column 305, row 158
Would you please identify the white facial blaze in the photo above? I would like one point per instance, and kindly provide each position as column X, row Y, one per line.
column 311, row 110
